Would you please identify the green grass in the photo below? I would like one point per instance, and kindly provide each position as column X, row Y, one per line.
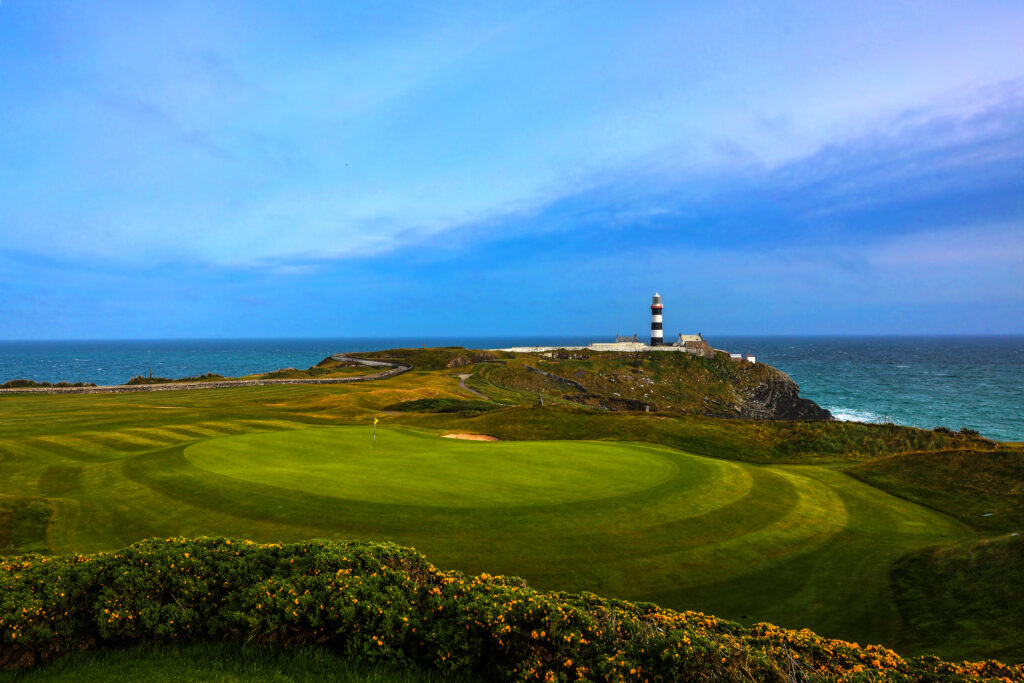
column 23, row 524
column 670, row 381
column 214, row 663
column 965, row 600
column 323, row 371
column 768, row 442
column 442, row 405
column 985, row 489
column 409, row 467
column 798, row 546
column 746, row 520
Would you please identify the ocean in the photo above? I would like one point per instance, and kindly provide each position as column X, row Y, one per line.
column 975, row 382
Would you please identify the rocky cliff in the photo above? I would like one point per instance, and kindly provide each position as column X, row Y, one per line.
column 658, row 381
column 777, row 397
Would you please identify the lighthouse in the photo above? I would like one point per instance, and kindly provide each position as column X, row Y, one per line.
column 657, row 338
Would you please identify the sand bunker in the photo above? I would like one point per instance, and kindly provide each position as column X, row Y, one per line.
column 470, row 437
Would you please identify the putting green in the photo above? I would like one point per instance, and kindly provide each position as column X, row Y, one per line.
column 412, row 468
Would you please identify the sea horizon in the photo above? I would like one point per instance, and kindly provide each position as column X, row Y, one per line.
column 924, row 380
column 597, row 337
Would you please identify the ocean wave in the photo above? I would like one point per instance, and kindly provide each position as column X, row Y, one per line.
column 854, row 415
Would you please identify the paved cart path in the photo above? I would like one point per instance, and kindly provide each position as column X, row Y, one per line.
column 462, row 385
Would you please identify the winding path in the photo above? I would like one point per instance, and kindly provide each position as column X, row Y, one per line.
column 462, row 385
column 393, row 368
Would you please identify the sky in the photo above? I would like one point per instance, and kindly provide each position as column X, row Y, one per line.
column 324, row 169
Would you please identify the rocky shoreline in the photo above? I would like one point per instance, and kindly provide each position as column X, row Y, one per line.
column 779, row 399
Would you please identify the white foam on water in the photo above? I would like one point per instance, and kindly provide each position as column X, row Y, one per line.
column 854, row 415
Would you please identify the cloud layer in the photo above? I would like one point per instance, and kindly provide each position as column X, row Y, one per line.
column 832, row 155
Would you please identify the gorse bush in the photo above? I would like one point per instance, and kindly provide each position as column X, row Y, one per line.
column 382, row 603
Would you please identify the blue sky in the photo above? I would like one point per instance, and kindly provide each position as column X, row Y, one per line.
column 195, row 169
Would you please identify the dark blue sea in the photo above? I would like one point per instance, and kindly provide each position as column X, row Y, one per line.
column 975, row 382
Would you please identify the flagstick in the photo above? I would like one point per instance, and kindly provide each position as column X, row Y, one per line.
column 374, row 436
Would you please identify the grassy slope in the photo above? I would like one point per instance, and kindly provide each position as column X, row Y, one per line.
column 967, row 598
column 214, row 663
column 983, row 488
column 325, row 369
column 670, row 381
column 752, row 441
column 711, row 536
column 113, row 469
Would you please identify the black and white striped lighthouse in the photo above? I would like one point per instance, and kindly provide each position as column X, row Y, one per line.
column 657, row 338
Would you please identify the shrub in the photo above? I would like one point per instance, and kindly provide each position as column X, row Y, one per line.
column 443, row 405
column 205, row 377
column 942, row 430
column 383, row 603
column 966, row 431
column 31, row 384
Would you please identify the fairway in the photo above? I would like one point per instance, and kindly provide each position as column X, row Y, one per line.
column 796, row 545
column 408, row 467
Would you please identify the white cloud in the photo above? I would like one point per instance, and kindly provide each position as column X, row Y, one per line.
column 249, row 146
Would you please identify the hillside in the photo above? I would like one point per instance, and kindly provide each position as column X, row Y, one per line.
column 648, row 381
column 380, row 603
column 965, row 599
column 797, row 546
column 983, row 488
column 662, row 506
column 761, row 441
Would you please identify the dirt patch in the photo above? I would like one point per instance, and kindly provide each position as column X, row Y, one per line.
column 470, row 437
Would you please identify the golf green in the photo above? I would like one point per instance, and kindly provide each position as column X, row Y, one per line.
column 408, row 467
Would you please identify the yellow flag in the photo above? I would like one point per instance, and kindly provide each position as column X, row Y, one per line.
column 375, row 420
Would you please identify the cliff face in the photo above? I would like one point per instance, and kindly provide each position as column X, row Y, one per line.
column 777, row 397
column 659, row 381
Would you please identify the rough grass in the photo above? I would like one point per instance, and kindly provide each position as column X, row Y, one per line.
column 216, row 663
column 438, row 358
column 23, row 524
column 442, row 405
column 983, row 488
column 965, row 600
column 749, row 440
column 669, row 381
column 324, row 371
